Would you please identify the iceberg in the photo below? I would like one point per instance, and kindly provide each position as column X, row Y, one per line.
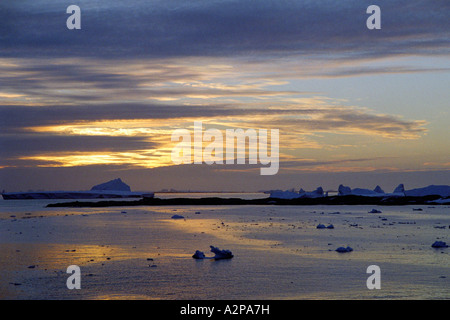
column 399, row 189
column 432, row 190
column 116, row 184
column 377, row 192
column 219, row 254
column 109, row 190
column 322, row 226
column 279, row 194
column 198, row 255
column 378, row 189
column 439, row 244
column 344, row 249
column 343, row 190
column 365, row 192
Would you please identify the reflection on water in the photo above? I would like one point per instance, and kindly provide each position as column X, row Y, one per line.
column 141, row 253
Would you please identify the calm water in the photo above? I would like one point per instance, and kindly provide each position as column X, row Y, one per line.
column 141, row 253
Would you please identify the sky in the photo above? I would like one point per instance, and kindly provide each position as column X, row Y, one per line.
column 353, row 106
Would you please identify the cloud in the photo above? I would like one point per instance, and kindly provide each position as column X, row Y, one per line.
column 111, row 92
column 142, row 29
column 293, row 119
column 31, row 144
column 67, row 136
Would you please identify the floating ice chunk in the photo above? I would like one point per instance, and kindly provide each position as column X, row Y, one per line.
column 219, row 254
column 439, row 244
column 343, row 249
column 322, row 226
column 198, row 255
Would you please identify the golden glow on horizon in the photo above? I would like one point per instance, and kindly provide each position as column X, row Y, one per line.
column 158, row 133
column 142, row 158
column 253, row 95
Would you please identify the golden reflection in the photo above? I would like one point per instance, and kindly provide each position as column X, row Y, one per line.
column 56, row 256
column 231, row 231
column 290, row 240
column 60, row 256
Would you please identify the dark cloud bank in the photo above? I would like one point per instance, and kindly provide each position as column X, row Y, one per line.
column 255, row 29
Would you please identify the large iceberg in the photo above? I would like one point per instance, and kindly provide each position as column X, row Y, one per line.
column 109, row 190
column 442, row 190
column 343, row 190
column 377, row 192
column 400, row 188
column 116, row 185
column 433, row 190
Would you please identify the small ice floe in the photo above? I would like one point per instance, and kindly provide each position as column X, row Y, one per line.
column 198, row 255
column 439, row 244
column 219, row 254
column 374, row 211
column 343, row 249
column 322, row 226
column 177, row 216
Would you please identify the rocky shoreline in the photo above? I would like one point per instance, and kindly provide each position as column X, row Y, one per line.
column 331, row 200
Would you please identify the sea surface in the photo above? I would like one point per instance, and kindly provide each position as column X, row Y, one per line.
column 141, row 252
